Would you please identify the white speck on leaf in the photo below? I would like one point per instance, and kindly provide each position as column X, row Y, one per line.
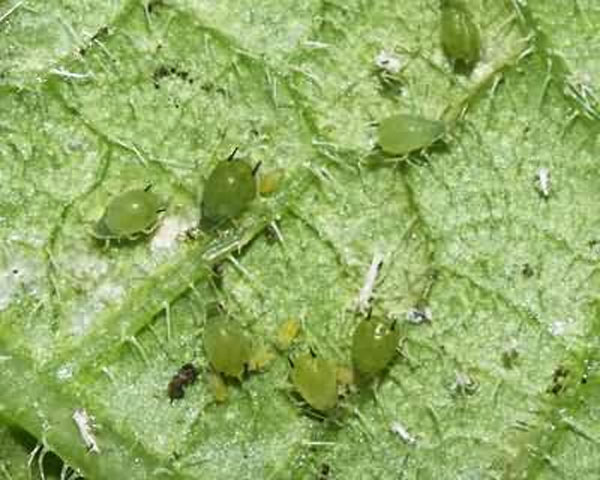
column 543, row 181
column 388, row 62
column 170, row 231
column 365, row 294
column 398, row 429
column 85, row 425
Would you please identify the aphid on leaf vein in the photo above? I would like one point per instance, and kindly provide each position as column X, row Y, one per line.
column 129, row 215
column 459, row 35
column 402, row 134
column 186, row 375
column 228, row 192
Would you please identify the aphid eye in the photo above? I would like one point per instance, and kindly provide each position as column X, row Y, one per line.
column 228, row 191
column 374, row 345
column 402, row 134
column 459, row 35
column 315, row 379
column 129, row 214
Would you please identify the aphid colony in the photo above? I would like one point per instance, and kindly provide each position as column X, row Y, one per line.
column 228, row 192
column 317, row 379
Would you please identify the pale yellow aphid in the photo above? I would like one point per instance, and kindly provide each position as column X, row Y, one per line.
column 270, row 181
column 345, row 379
column 287, row 333
column 218, row 387
column 260, row 358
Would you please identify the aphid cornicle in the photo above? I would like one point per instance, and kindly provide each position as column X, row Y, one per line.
column 228, row 348
column 402, row 134
column 374, row 345
column 228, row 191
column 315, row 378
column 186, row 375
column 128, row 215
column 459, row 35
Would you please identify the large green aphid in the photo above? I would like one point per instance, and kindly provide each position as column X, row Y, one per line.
column 315, row 379
column 374, row 345
column 402, row 134
column 459, row 35
column 228, row 192
column 129, row 215
column 228, row 348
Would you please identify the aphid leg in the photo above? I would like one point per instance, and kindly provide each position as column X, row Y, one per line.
column 312, row 352
column 255, row 169
column 290, row 361
column 232, row 154
column 161, row 210
column 148, row 187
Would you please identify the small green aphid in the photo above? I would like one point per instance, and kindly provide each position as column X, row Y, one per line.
column 374, row 345
column 228, row 348
column 459, row 35
column 128, row 215
column 228, row 191
column 315, row 378
column 402, row 134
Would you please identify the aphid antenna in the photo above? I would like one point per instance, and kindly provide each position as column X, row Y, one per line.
column 140, row 349
column 232, row 154
column 256, row 168
column 107, row 53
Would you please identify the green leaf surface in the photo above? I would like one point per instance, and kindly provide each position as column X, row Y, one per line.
column 501, row 382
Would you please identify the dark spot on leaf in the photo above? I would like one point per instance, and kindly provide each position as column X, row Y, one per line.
column 527, row 271
column 559, row 377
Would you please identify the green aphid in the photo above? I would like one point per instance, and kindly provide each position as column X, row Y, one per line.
column 374, row 345
column 228, row 348
column 402, row 134
column 459, row 35
column 315, row 378
column 228, row 192
column 129, row 215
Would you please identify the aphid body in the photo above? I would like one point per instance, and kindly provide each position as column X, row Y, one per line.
column 228, row 348
column 128, row 215
column 459, row 35
column 228, row 191
column 186, row 375
column 315, row 378
column 374, row 345
column 402, row 134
